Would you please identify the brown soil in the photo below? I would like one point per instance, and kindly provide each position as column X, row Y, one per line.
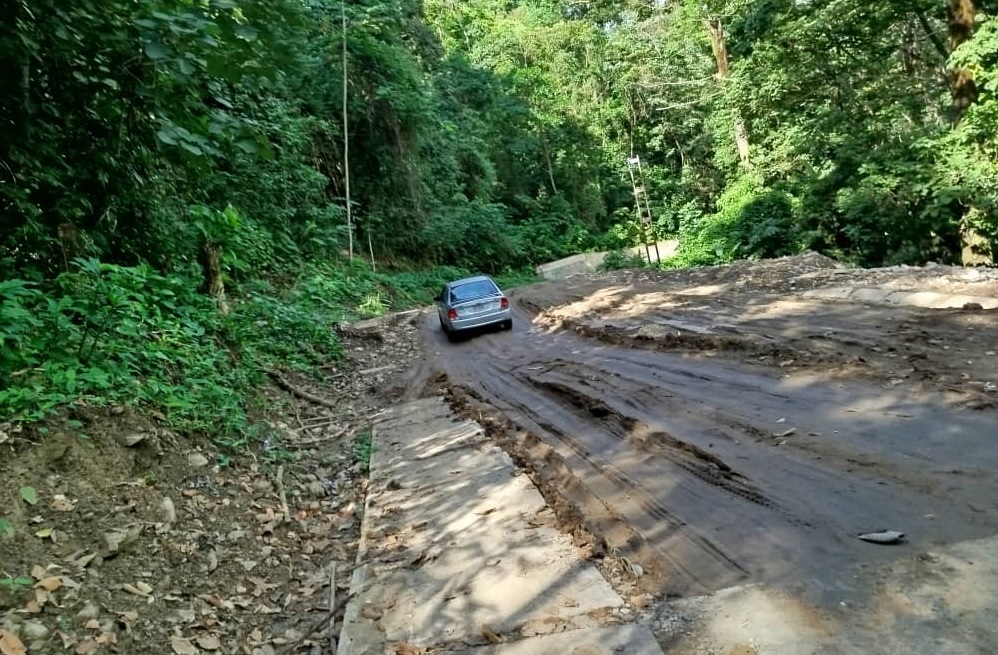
column 755, row 312
column 719, row 428
column 170, row 546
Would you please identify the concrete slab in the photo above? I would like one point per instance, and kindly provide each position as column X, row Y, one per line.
column 614, row 640
column 830, row 293
column 591, row 261
column 933, row 300
column 453, row 540
column 885, row 296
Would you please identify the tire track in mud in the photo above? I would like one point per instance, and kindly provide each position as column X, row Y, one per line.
column 694, row 460
column 692, row 563
column 673, row 456
column 595, row 524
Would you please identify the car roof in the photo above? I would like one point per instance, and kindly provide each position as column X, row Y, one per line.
column 468, row 280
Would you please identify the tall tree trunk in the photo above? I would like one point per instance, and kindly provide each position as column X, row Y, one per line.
column 211, row 267
column 976, row 249
column 961, row 27
column 720, row 47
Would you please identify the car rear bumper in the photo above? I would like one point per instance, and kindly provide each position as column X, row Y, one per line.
column 480, row 320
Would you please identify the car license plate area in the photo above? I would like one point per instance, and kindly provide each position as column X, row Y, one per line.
column 479, row 308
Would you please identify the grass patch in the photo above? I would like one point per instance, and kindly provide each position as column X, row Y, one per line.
column 363, row 448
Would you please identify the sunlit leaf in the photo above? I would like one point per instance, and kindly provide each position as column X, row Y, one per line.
column 249, row 146
column 168, row 136
column 29, row 495
column 247, row 32
column 157, row 50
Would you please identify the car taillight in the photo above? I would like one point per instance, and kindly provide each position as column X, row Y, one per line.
column 504, row 303
column 452, row 314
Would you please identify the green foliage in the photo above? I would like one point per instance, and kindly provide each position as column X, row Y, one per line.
column 751, row 221
column 363, row 448
column 16, row 585
column 616, row 260
column 29, row 495
column 109, row 334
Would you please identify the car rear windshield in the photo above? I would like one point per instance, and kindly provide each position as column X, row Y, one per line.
column 470, row 290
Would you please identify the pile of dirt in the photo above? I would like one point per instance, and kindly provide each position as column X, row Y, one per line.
column 756, row 311
column 117, row 535
column 782, row 276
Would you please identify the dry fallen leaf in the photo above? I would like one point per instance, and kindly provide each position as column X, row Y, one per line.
column 50, row 584
column 107, row 638
column 134, row 590
column 67, row 640
column 182, row 646
column 128, row 617
column 38, row 572
column 84, row 561
column 61, row 504
column 10, row 644
column 143, row 587
column 169, row 510
column 409, row 649
column 89, row 646
column 491, row 635
column 208, row 642
column 42, row 596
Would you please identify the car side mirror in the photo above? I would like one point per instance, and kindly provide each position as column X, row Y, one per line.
column 438, row 298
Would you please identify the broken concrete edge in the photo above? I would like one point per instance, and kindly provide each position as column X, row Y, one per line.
column 359, row 636
column 589, row 262
column 393, row 319
column 887, row 296
column 345, row 643
column 594, row 524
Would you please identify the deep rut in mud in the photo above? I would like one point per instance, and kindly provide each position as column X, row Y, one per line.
column 712, row 473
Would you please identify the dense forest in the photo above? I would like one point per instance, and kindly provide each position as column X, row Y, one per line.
column 160, row 156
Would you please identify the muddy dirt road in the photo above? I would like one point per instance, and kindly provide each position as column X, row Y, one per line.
column 714, row 461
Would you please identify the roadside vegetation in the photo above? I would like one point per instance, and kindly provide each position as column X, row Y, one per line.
column 193, row 193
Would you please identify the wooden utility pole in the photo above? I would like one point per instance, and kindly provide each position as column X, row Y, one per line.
column 346, row 129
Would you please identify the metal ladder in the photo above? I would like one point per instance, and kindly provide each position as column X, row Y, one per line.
column 643, row 207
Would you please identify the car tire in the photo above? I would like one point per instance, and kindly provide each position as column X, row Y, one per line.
column 451, row 335
column 506, row 325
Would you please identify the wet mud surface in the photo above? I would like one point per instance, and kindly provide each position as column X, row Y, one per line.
column 712, row 461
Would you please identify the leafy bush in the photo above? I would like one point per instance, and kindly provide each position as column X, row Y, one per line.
column 112, row 334
column 616, row 260
column 108, row 334
column 751, row 220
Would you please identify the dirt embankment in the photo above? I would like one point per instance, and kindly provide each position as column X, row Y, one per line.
column 766, row 313
column 121, row 536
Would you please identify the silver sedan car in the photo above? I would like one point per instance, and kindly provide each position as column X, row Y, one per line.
column 472, row 302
